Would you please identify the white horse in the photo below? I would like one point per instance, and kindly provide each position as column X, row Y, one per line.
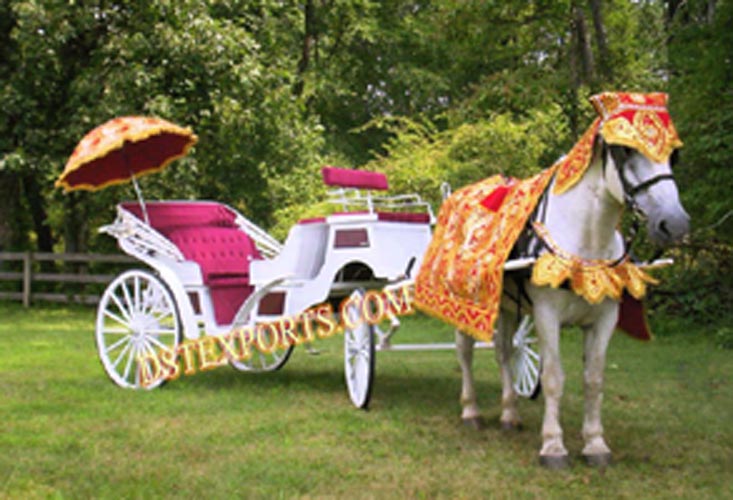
column 582, row 221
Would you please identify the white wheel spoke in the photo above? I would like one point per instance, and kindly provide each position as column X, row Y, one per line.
column 127, row 297
column 116, row 331
column 531, row 354
column 117, row 344
column 122, row 354
column 136, row 293
column 130, row 359
column 152, row 340
column 120, row 307
column 160, row 331
column 117, row 319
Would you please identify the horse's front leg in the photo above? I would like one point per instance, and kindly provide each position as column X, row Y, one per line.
column 464, row 350
column 503, row 350
column 553, row 453
column 597, row 337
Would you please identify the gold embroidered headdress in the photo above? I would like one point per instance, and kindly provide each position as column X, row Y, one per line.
column 639, row 121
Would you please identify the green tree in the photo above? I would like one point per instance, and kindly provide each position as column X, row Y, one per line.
column 69, row 66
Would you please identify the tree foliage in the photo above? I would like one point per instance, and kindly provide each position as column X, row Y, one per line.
column 426, row 90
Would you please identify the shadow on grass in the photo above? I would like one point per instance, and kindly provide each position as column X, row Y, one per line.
column 413, row 389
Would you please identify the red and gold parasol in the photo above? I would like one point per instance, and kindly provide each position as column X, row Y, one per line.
column 122, row 149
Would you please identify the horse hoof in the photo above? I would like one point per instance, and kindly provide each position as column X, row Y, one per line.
column 555, row 462
column 598, row 460
column 475, row 423
column 511, row 426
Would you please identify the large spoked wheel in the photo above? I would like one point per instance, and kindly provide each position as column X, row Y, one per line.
column 525, row 362
column 359, row 353
column 137, row 317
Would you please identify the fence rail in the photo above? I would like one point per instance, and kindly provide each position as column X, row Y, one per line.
column 30, row 276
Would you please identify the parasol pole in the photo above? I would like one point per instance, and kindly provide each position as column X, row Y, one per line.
column 135, row 184
column 140, row 198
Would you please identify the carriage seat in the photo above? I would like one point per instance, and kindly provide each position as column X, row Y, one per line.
column 205, row 232
column 362, row 179
column 359, row 179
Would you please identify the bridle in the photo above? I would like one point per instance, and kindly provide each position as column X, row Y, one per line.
column 630, row 191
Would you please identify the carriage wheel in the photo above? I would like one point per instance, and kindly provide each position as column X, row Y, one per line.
column 525, row 362
column 260, row 362
column 136, row 317
column 359, row 354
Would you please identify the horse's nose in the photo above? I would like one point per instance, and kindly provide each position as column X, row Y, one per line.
column 675, row 228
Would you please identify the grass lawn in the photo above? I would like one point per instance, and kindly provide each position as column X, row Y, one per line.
column 67, row 432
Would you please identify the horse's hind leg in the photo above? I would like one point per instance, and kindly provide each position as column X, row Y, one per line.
column 503, row 350
column 596, row 452
column 464, row 350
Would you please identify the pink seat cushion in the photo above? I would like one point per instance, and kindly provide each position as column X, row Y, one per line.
column 224, row 255
column 360, row 179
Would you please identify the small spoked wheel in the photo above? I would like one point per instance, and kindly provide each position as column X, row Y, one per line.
column 137, row 318
column 260, row 361
column 525, row 362
column 359, row 353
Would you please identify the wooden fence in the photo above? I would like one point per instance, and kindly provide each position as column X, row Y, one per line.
column 33, row 271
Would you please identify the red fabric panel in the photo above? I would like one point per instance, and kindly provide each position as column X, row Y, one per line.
column 344, row 177
column 411, row 218
column 227, row 301
column 632, row 318
column 494, row 200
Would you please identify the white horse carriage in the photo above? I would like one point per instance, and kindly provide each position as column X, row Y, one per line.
column 211, row 271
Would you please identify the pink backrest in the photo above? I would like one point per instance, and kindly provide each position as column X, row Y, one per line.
column 205, row 233
column 360, row 179
column 223, row 253
column 165, row 216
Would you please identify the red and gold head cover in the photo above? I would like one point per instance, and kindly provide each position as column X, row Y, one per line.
column 639, row 121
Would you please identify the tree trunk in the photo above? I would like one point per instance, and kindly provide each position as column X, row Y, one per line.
column 604, row 62
column 8, row 204
column 583, row 46
column 309, row 42
column 36, row 204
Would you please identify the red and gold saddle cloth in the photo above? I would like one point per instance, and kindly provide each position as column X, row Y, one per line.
column 461, row 277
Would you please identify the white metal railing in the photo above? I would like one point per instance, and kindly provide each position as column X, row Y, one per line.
column 351, row 198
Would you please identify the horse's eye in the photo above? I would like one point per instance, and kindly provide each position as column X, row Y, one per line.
column 674, row 158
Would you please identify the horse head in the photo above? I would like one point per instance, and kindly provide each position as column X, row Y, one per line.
column 647, row 187
column 640, row 142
